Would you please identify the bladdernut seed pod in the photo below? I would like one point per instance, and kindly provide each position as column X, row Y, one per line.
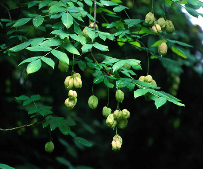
column 169, row 27
column 63, row 67
column 76, row 75
column 68, row 82
column 70, row 103
column 72, row 94
column 93, row 102
column 117, row 114
column 162, row 48
column 91, row 25
column 122, row 123
column 49, row 146
column 156, row 29
column 125, row 114
column 161, row 22
column 148, row 79
column 149, row 19
column 106, row 111
column 110, row 120
column 141, row 78
column 116, row 143
column 119, row 95
column 119, row 138
column 154, row 83
column 77, row 82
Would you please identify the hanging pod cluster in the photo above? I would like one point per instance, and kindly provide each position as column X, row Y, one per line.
column 160, row 24
column 71, row 82
column 117, row 118
column 157, row 27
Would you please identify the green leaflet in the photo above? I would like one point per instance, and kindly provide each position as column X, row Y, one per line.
column 157, row 43
column 37, row 21
column 34, row 66
column 70, row 48
column 21, row 22
column 29, row 60
column 39, row 48
column 100, row 46
column 4, row 166
column 178, row 52
column 180, row 43
column 67, row 20
column 20, row 47
column 140, row 92
column 48, row 61
column 160, row 101
column 83, row 141
column 119, row 8
column 88, row 2
column 61, row 56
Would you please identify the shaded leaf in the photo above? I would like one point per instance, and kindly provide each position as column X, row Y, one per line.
column 119, row 8
column 98, row 79
column 70, row 48
column 100, row 46
column 21, row 22
column 37, row 21
column 39, row 48
column 29, row 60
column 22, row 97
column 35, row 97
column 48, row 61
column 19, row 47
column 82, row 65
column 83, row 141
column 132, row 22
column 180, row 43
column 140, row 92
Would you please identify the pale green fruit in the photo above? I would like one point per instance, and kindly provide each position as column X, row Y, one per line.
column 49, row 146
column 68, row 82
column 148, row 79
column 154, row 83
column 149, row 19
column 169, row 27
column 72, row 94
column 116, row 145
column 93, row 102
column 119, row 138
column 122, row 123
column 77, row 82
column 91, row 25
column 70, row 103
column 156, row 28
column 76, row 75
column 63, row 66
column 125, row 114
column 106, row 111
column 161, row 22
column 110, row 120
column 117, row 114
column 119, row 95
column 141, row 78
column 162, row 48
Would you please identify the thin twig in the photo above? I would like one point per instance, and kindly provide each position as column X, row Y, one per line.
column 7, row 11
column 26, row 125
column 95, row 13
column 94, row 57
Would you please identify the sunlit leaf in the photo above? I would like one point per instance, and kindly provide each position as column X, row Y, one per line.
column 34, row 66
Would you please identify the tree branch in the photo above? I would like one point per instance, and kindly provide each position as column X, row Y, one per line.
column 95, row 13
